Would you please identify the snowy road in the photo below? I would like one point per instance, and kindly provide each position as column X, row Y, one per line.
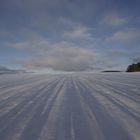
column 70, row 107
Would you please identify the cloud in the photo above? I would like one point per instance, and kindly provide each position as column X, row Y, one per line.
column 66, row 34
column 61, row 56
column 114, row 20
column 80, row 32
column 68, row 59
column 136, row 59
column 126, row 37
column 68, row 51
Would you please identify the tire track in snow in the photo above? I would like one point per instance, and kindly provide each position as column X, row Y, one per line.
column 69, row 107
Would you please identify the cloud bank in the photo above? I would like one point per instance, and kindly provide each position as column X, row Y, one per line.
column 69, row 35
column 61, row 56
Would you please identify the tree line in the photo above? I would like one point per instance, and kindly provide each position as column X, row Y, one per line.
column 133, row 67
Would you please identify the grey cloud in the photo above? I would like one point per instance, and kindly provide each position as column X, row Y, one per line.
column 58, row 56
column 43, row 28
column 136, row 59
column 23, row 34
column 65, row 59
column 43, row 13
column 79, row 32
column 25, row 12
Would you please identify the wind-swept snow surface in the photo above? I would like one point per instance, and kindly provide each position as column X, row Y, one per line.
column 70, row 107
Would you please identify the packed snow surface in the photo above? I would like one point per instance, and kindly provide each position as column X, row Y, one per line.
column 102, row 106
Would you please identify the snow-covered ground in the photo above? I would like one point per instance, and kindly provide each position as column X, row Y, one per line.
column 102, row 106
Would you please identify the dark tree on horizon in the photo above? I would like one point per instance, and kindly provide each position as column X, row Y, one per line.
column 133, row 68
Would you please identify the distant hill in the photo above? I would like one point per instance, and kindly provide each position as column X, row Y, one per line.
column 111, row 71
column 4, row 70
column 133, row 67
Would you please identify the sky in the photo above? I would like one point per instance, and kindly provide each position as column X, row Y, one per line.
column 69, row 35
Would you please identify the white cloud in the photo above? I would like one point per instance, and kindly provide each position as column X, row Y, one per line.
column 54, row 53
column 57, row 56
column 128, row 37
column 79, row 32
column 116, row 21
